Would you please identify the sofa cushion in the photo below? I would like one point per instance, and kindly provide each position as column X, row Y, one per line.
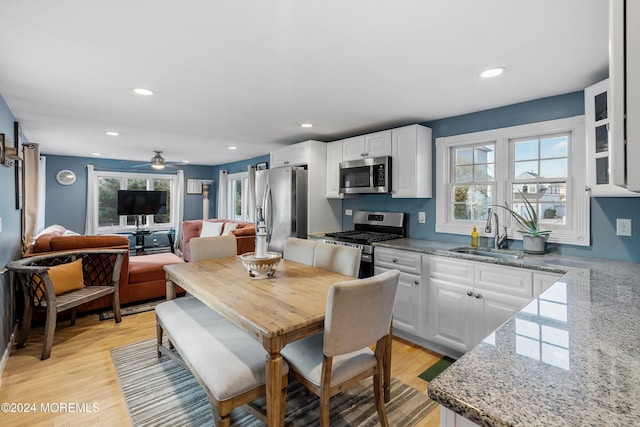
column 43, row 239
column 66, row 243
column 145, row 268
column 211, row 229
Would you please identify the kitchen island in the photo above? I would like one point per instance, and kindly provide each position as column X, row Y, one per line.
column 569, row 358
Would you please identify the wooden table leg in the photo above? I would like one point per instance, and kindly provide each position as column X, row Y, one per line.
column 275, row 405
column 171, row 290
column 386, row 367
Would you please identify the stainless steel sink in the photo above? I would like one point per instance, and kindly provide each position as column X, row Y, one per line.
column 489, row 252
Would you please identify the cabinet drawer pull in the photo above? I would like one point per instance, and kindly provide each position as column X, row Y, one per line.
column 286, row 162
column 416, row 282
column 477, row 296
column 469, row 293
column 394, row 259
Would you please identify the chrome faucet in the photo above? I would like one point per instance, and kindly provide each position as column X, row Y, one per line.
column 498, row 239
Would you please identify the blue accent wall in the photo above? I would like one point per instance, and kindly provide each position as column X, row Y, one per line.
column 604, row 210
column 10, row 237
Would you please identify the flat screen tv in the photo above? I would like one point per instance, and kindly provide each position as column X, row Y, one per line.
column 141, row 202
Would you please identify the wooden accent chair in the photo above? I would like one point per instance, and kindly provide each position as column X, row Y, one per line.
column 358, row 315
column 100, row 276
column 213, row 247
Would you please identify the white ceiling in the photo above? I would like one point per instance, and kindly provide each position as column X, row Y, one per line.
column 248, row 73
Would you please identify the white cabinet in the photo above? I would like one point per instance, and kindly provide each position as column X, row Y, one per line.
column 291, row 155
column 370, row 145
column 411, row 162
column 469, row 300
column 599, row 129
column 624, row 107
column 334, row 157
column 407, row 308
column 542, row 281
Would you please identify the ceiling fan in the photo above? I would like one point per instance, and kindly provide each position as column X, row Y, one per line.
column 157, row 162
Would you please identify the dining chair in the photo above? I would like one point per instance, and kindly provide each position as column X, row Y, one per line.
column 338, row 259
column 358, row 314
column 213, row 247
column 300, row 250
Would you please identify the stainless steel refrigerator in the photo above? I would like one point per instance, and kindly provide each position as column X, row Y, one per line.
column 282, row 193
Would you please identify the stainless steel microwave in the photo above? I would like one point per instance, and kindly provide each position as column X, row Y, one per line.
column 362, row 176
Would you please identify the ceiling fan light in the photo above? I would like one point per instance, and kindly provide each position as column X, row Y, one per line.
column 157, row 161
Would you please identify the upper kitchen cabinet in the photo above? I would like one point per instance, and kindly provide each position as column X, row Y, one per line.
column 599, row 128
column 334, row 157
column 376, row 144
column 624, row 97
column 411, row 162
column 291, row 155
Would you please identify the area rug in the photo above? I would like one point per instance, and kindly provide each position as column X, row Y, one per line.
column 159, row 392
column 437, row 368
column 132, row 309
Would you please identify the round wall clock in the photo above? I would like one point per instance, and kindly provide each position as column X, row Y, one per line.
column 66, row 177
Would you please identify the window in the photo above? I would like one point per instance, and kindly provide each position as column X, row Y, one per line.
column 108, row 183
column 543, row 162
column 238, row 203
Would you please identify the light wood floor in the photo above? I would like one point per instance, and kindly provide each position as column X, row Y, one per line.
column 80, row 370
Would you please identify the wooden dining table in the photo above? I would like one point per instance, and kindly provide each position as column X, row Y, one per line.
column 276, row 311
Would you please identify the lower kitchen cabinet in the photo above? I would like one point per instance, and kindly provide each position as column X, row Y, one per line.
column 407, row 307
column 454, row 303
column 469, row 300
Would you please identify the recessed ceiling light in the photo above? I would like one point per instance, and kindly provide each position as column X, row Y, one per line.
column 185, row 161
column 95, row 154
column 232, row 147
column 492, row 72
column 306, row 125
column 112, row 133
column 142, row 91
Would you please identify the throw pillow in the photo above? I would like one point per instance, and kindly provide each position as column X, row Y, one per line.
column 67, row 277
column 210, row 229
column 228, row 228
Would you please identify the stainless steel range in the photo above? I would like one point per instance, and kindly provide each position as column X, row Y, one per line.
column 369, row 227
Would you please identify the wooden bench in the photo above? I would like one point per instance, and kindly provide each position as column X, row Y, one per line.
column 101, row 275
column 227, row 362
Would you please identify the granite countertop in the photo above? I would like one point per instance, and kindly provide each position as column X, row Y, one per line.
column 570, row 358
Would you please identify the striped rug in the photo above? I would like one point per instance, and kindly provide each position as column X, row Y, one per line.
column 159, row 392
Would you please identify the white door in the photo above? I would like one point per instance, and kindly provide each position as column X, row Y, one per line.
column 451, row 311
column 406, row 310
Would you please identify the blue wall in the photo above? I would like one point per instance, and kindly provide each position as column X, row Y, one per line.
column 10, row 237
column 604, row 211
column 67, row 204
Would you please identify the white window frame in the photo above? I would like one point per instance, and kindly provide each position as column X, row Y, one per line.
column 244, row 176
column 122, row 226
column 577, row 230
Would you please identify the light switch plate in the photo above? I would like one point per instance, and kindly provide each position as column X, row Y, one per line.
column 422, row 217
column 348, row 212
column 623, row 227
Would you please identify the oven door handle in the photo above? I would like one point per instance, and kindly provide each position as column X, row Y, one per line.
column 365, row 258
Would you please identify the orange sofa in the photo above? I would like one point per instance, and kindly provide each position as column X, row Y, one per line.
column 141, row 278
column 245, row 235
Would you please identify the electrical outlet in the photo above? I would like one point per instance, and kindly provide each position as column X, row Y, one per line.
column 348, row 212
column 623, row 227
column 422, row 217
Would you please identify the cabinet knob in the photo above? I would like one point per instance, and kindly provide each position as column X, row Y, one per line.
column 416, row 282
column 286, row 162
column 477, row 296
column 469, row 293
column 587, row 188
column 394, row 259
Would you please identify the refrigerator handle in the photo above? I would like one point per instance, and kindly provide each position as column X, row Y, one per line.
column 268, row 212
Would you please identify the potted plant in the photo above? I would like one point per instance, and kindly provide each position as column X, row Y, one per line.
column 533, row 239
